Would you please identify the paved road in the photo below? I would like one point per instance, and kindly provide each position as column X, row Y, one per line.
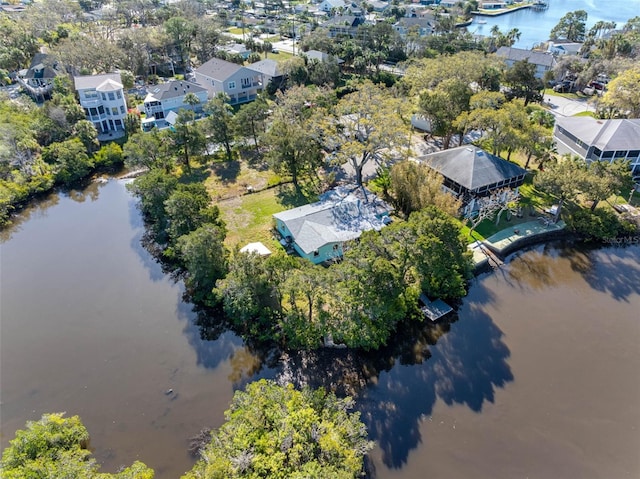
column 562, row 106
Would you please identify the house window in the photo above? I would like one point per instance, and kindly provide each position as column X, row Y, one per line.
column 335, row 247
column 316, row 253
column 114, row 110
column 122, row 109
column 101, row 110
column 231, row 85
column 118, row 124
column 119, row 94
column 112, row 96
column 104, row 97
column 246, row 82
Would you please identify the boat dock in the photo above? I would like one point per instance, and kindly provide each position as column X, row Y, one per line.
column 434, row 310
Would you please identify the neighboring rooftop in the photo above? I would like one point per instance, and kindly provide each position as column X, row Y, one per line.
column 606, row 135
column 321, row 56
column 518, row 54
column 218, row 69
column 340, row 215
column 87, row 82
column 268, row 67
column 172, row 89
column 472, row 167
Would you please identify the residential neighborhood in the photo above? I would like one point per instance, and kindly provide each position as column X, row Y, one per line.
column 337, row 238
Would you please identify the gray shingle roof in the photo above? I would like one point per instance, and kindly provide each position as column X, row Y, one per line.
column 267, row 66
column 518, row 54
column 321, row 56
column 471, row 167
column 94, row 81
column 218, row 69
column 606, row 135
column 341, row 215
column 174, row 89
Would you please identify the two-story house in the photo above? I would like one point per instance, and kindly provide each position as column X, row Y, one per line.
column 103, row 100
column 167, row 97
column 240, row 83
column 38, row 80
column 423, row 26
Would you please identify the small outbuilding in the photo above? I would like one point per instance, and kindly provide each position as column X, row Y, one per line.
column 258, row 248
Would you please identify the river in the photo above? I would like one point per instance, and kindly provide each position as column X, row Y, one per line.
column 537, row 377
column 535, row 25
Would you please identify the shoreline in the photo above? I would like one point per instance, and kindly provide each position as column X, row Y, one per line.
column 501, row 11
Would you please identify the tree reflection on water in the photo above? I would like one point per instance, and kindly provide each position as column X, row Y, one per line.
column 397, row 386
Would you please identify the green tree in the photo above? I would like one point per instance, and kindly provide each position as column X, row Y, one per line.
column 70, row 160
column 571, row 27
column 623, row 93
column 603, row 179
column 443, row 260
column 153, row 189
column 522, row 82
column 562, row 180
column 148, row 150
column 109, row 155
column 414, row 187
column 368, row 124
column 442, row 105
column 279, row 432
column 187, row 136
column 204, row 256
column 292, row 140
column 180, row 32
column 56, row 447
column 187, row 208
column 250, row 119
column 220, row 122
column 87, row 134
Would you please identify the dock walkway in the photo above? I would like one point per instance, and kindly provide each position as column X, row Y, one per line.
column 434, row 310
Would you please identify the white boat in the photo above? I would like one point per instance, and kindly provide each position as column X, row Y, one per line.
column 481, row 22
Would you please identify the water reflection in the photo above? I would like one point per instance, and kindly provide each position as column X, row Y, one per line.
column 616, row 272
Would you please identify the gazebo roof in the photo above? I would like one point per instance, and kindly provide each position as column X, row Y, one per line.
column 472, row 167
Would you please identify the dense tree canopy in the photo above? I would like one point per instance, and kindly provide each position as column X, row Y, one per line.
column 56, row 447
column 572, row 27
column 278, row 432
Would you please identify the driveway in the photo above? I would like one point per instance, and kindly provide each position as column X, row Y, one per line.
column 562, row 106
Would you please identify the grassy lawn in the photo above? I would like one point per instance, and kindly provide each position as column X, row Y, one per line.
column 592, row 114
column 248, row 217
column 280, row 56
column 237, row 30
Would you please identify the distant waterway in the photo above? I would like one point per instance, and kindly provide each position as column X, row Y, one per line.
column 536, row 377
column 535, row 25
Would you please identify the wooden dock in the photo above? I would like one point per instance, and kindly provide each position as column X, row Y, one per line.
column 434, row 310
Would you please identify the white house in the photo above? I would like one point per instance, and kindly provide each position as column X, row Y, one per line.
column 103, row 100
column 167, row 97
column 542, row 60
column 335, row 5
column 318, row 231
column 240, row 83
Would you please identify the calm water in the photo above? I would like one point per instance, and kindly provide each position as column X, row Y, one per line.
column 535, row 26
column 538, row 377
